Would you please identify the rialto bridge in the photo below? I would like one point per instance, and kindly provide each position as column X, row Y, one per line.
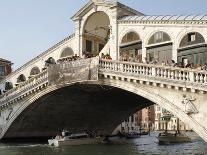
column 49, row 94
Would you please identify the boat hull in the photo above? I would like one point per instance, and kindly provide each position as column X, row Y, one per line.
column 173, row 139
column 84, row 141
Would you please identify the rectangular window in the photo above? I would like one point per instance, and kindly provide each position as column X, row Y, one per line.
column 2, row 70
column 88, row 46
column 191, row 37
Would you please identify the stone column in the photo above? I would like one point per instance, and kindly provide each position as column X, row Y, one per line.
column 78, row 37
column 144, row 54
column 174, row 53
column 114, row 35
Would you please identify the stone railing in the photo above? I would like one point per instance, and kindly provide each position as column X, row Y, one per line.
column 170, row 74
column 24, row 88
column 79, row 70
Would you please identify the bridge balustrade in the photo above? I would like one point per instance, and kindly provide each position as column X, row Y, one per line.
column 156, row 71
column 23, row 88
column 170, row 74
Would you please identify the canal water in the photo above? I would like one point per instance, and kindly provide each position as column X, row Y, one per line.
column 146, row 145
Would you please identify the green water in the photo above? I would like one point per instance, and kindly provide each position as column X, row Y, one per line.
column 141, row 146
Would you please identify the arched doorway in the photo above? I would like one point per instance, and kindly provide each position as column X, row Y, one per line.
column 67, row 52
column 50, row 61
column 96, row 32
column 21, row 78
column 159, row 48
column 34, row 71
column 8, row 86
column 192, row 49
column 131, row 48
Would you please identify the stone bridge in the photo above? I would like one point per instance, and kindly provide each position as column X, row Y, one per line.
column 98, row 95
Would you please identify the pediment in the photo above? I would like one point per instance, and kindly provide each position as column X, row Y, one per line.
column 123, row 10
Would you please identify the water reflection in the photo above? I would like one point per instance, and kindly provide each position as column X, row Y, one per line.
column 144, row 145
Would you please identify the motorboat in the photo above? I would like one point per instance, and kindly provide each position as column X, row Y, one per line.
column 74, row 139
column 169, row 138
column 132, row 135
column 144, row 133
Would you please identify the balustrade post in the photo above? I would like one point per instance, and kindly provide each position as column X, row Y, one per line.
column 121, row 67
column 192, row 76
column 153, row 71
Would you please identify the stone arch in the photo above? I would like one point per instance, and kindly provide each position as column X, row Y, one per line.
column 159, row 37
column 159, row 46
column 21, row 78
column 124, row 86
column 125, row 32
column 96, row 32
column 185, row 31
column 191, row 47
column 66, row 52
column 130, row 36
column 8, row 86
column 50, row 61
column 130, row 46
column 151, row 33
column 34, row 71
column 186, row 40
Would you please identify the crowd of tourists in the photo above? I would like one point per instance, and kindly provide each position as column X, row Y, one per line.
column 180, row 64
column 138, row 59
column 71, row 58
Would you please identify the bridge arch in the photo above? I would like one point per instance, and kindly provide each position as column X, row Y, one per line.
column 140, row 91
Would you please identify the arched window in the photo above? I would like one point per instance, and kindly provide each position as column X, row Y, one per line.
column 159, row 37
column 35, row 71
column 67, row 52
column 192, row 38
column 8, row 85
column 49, row 61
column 21, row 78
column 130, row 37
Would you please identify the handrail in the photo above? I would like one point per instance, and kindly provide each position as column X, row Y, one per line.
column 129, row 68
column 167, row 72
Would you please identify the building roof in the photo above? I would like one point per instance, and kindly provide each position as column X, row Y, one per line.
column 90, row 4
column 5, row 61
column 166, row 18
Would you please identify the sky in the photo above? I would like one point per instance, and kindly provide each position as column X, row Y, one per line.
column 29, row 27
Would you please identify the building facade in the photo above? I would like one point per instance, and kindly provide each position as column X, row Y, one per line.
column 143, row 119
column 165, row 120
column 148, row 118
column 5, row 69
